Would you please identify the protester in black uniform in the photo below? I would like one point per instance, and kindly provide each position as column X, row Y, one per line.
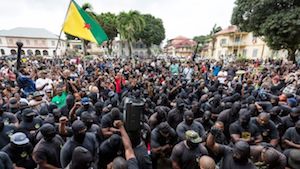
column 19, row 151
column 189, row 124
column 243, row 130
column 186, row 153
column 47, row 151
column 234, row 158
column 80, row 138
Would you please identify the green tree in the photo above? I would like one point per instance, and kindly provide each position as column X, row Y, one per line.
column 153, row 32
column 277, row 21
column 201, row 40
column 108, row 21
column 128, row 24
column 70, row 37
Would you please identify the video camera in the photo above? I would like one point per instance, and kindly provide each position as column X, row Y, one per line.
column 133, row 113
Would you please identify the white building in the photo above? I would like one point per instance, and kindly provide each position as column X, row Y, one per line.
column 119, row 49
column 36, row 41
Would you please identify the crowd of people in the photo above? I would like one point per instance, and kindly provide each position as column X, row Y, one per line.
column 207, row 115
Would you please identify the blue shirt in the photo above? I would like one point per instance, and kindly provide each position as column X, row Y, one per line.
column 216, row 70
column 27, row 84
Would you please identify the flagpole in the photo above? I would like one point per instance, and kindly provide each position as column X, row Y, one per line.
column 61, row 30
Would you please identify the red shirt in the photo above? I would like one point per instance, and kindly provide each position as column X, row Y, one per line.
column 118, row 82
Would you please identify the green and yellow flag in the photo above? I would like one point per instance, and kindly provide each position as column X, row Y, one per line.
column 80, row 24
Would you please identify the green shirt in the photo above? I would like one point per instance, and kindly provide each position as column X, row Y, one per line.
column 60, row 101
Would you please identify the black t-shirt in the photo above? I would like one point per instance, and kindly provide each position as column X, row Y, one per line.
column 292, row 135
column 132, row 163
column 287, row 122
column 229, row 163
column 186, row 158
column 183, row 127
column 245, row 133
column 90, row 143
column 21, row 156
column 174, row 118
column 49, row 151
column 227, row 119
column 29, row 126
column 65, row 111
column 8, row 118
column 5, row 134
column 268, row 131
column 108, row 121
column 142, row 156
column 157, row 140
column 5, row 162
column 90, row 109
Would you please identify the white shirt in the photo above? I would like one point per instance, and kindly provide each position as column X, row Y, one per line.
column 188, row 72
column 41, row 82
column 222, row 76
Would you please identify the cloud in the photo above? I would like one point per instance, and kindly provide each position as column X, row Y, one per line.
column 180, row 17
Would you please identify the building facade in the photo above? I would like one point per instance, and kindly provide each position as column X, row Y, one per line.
column 180, row 47
column 36, row 42
column 119, row 48
column 231, row 42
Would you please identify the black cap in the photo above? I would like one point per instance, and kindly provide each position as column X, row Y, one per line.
column 78, row 126
column 47, row 129
column 164, row 127
column 28, row 112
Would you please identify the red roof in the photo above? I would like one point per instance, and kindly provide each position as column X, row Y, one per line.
column 180, row 38
column 229, row 29
column 181, row 41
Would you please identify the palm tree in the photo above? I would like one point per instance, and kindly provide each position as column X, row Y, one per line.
column 89, row 9
column 214, row 30
column 128, row 25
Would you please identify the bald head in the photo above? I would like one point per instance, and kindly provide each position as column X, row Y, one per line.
column 207, row 162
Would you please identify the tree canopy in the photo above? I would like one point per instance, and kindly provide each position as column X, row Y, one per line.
column 277, row 21
column 153, row 32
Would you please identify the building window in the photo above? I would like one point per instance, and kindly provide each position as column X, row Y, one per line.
column 28, row 42
column 13, row 52
column 54, row 52
column 237, row 39
column 45, row 53
column 37, row 52
column 254, row 39
column 223, row 42
column 36, row 42
column 0, row 41
column 10, row 41
column 254, row 54
column 2, row 52
column 53, row 43
column 244, row 52
column 44, row 42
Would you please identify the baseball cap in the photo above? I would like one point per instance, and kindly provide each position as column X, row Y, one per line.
column 19, row 138
column 78, row 126
column 164, row 127
column 47, row 129
column 85, row 101
column 192, row 136
column 13, row 103
column 292, row 102
column 28, row 112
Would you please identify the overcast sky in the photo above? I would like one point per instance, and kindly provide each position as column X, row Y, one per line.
column 180, row 17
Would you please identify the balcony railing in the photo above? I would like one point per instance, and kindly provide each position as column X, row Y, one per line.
column 233, row 44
